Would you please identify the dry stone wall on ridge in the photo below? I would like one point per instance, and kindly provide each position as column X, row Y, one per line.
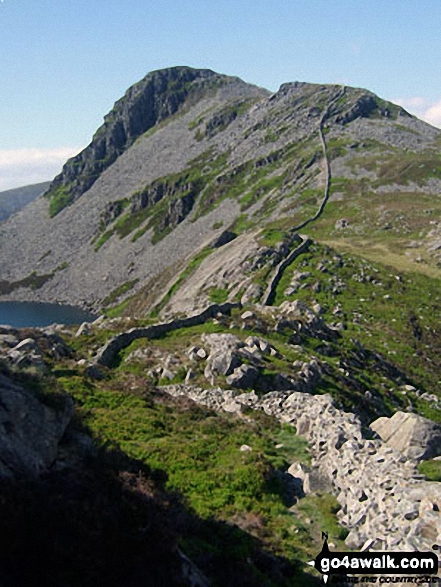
column 385, row 503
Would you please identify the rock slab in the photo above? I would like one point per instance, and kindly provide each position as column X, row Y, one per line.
column 410, row 434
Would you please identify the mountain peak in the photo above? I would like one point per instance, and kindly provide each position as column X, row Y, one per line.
column 158, row 96
column 186, row 155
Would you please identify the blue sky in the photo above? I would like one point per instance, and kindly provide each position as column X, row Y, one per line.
column 65, row 62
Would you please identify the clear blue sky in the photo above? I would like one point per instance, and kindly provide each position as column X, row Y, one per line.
column 64, row 63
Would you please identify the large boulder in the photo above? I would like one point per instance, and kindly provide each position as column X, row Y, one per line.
column 29, row 430
column 412, row 435
column 243, row 377
column 223, row 358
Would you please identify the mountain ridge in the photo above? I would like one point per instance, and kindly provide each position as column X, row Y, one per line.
column 232, row 158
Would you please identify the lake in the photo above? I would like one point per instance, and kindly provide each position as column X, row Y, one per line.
column 36, row 314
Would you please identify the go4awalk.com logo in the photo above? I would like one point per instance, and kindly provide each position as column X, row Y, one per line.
column 373, row 563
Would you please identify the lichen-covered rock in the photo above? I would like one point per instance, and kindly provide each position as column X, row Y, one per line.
column 223, row 357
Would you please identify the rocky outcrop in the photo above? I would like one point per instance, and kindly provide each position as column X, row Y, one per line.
column 241, row 363
column 297, row 317
column 30, row 431
column 363, row 107
column 412, row 435
column 27, row 352
column 224, row 356
column 385, row 503
column 155, row 98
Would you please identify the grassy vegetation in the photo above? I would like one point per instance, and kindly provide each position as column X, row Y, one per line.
column 242, row 224
column 225, row 116
column 399, row 166
column 292, row 447
column 383, row 106
column 337, row 147
column 103, row 239
column 119, row 291
column 32, row 281
column 271, row 136
column 218, row 295
column 59, row 197
column 118, row 310
column 159, row 196
column 272, row 235
column 254, row 179
column 260, row 189
column 389, row 226
column 388, row 311
column 431, row 469
column 183, row 440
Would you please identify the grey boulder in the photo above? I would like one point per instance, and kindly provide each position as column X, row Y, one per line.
column 414, row 436
column 29, row 430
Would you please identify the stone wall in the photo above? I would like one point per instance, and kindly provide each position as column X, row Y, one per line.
column 108, row 353
column 276, row 277
column 385, row 503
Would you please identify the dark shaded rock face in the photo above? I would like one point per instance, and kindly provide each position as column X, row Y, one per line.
column 177, row 211
column 219, row 121
column 111, row 212
column 226, row 237
column 29, row 431
column 158, row 96
column 362, row 108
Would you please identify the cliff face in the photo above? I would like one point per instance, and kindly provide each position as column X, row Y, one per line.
column 31, row 431
column 155, row 98
column 188, row 154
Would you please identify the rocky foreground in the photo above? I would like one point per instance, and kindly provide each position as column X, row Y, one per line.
column 386, row 504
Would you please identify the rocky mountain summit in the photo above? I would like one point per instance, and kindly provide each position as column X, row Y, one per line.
column 188, row 157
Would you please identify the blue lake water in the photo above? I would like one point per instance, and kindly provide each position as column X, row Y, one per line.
column 35, row 314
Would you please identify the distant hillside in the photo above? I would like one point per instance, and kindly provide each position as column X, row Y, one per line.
column 12, row 201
